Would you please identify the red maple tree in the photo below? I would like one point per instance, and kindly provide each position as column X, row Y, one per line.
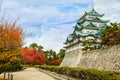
column 33, row 56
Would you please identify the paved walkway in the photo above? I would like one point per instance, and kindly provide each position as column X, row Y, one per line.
column 30, row 74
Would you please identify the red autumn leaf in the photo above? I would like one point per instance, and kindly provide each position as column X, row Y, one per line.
column 33, row 56
column 55, row 62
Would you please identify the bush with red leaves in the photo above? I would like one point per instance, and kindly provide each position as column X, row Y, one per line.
column 32, row 56
column 55, row 62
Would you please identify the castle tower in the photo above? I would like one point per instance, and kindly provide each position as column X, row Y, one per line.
column 89, row 26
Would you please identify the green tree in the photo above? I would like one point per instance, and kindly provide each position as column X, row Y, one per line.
column 61, row 53
column 40, row 48
column 37, row 47
column 33, row 45
column 50, row 55
column 89, row 44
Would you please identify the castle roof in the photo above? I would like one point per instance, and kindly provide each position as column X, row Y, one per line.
column 95, row 19
column 92, row 13
column 90, row 26
column 88, row 23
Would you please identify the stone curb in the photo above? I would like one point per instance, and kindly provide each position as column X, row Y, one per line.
column 56, row 75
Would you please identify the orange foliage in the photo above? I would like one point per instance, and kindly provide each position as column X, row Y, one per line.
column 10, row 44
column 10, row 37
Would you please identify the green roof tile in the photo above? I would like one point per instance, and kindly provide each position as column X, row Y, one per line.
column 79, row 33
column 93, row 12
column 90, row 26
column 96, row 19
column 70, row 37
column 77, row 26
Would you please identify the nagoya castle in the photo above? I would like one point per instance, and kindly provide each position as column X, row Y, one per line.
column 89, row 26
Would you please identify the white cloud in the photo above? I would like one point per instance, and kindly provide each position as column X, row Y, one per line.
column 48, row 20
column 110, row 8
column 51, row 37
column 10, row 4
column 54, row 38
column 67, row 2
column 29, row 40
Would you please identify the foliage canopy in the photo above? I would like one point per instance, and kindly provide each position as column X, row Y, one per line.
column 111, row 35
column 10, row 45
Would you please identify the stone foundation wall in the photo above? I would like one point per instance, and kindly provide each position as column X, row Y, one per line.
column 106, row 59
column 72, row 58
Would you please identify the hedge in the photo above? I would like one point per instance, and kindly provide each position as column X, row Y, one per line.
column 84, row 74
column 11, row 68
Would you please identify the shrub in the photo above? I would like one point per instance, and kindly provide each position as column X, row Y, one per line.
column 55, row 62
column 84, row 74
column 13, row 67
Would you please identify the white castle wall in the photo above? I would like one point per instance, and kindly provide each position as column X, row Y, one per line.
column 72, row 58
column 86, row 31
column 72, row 54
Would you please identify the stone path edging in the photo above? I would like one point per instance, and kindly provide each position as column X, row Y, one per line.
column 56, row 75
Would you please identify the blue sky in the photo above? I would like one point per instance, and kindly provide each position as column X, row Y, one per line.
column 50, row 21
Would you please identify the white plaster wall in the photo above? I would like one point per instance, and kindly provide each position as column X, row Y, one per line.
column 96, row 24
column 89, row 37
column 86, row 31
column 75, row 47
column 89, row 16
column 86, row 23
column 72, row 58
